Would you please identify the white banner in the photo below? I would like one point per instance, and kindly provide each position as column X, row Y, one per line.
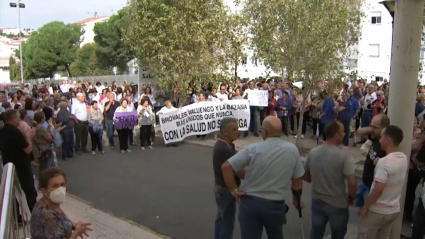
column 202, row 118
column 258, row 98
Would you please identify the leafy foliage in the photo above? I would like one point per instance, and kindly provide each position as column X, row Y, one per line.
column 14, row 71
column 110, row 47
column 87, row 62
column 306, row 38
column 53, row 45
column 183, row 43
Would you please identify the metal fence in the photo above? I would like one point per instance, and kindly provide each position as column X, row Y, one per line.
column 93, row 79
column 11, row 195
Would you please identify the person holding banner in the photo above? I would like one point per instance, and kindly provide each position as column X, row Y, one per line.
column 146, row 119
column 254, row 124
column 123, row 132
column 167, row 108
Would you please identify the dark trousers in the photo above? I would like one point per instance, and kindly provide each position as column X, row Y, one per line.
column 292, row 123
column 346, row 138
column 285, row 122
column 145, row 135
column 130, row 136
column 418, row 231
column 413, row 179
column 81, row 130
column 306, row 118
column 67, row 143
column 253, row 124
column 123, row 138
column 226, row 212
column 156, row 109
column 315, row 126
column 322, row 213
column 26, row 179
column 256, row 214
column 321, row 128
column 96, row 139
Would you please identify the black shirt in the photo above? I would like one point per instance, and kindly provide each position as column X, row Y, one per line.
column 12, row 145
column 375, row 151
column 221, row 153
column 2, row 117
column 110, row 112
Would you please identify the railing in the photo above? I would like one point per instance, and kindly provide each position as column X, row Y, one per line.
column 11, row 195
column 93, row 79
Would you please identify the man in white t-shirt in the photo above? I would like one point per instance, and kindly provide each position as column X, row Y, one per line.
column 382, row 207
column 254, row 124
column 222, row 94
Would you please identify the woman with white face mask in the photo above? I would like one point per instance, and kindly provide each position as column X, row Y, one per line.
column 47, row 219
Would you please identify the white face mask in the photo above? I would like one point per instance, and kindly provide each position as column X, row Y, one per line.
column 58, row 195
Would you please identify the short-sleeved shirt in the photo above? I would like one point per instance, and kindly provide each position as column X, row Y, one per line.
column 272, row 164
column 79, row 109
column 328, row 167
column 221, row 153
column 390, row 170
column 111, row 111
column 12, row 145
column 375, row 151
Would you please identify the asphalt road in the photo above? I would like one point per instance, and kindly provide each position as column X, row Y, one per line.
column 169, row 190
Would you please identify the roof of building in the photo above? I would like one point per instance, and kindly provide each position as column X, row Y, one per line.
column 91, row 19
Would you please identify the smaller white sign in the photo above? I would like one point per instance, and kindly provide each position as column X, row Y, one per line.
column 258, row 98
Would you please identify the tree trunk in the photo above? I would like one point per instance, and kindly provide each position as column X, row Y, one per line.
column 68, row 70
column 298, row 142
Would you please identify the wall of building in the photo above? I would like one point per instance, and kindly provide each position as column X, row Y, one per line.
column 88, row 36
column 374, row 58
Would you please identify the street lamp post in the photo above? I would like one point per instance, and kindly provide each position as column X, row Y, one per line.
column 407, row 30
column 19, row 6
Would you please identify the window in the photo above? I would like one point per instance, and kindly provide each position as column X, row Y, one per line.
column 373, row 50
column 376, row 17
column 244, row 61
column 422, row 53
column 379, row 78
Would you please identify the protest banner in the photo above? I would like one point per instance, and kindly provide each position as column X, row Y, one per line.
column 258, row 98
column 202, row 118
column 125, row 120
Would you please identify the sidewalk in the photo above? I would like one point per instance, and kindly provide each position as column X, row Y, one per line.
column 307, row 144
column 104, row 225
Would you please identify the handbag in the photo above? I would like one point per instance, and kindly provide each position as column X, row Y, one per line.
column 96, row 127
column 47, row 158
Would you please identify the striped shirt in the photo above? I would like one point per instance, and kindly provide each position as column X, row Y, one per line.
column 272, row 164
column 390, row 170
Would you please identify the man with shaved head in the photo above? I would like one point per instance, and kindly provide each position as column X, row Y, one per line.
column 272, row 164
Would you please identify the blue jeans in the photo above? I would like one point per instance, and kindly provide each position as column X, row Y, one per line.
column 67, row 143
column 130, row 136
column 110, row 128
column 366, row 118
column 226, row 212
column 322, row 213
column 256, row 214
column 361, row 196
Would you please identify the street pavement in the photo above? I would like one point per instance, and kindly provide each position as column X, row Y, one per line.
column 168, row 190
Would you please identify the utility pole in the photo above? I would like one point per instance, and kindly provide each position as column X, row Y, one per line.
column 19, row 6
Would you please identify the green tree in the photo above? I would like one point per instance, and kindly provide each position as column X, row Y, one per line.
column 14, row 71
column 183, row 43
column 110, row 47
column 54, row 44
column 307, row 39
column 87, row 63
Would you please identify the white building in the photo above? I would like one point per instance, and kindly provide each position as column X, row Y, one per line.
column 371, row 58
column 4, row 70
column 88, row 25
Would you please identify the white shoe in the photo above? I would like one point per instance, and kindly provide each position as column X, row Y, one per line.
column 150, row 147
column 302, row 136
column 122, row 151
column 142, row 148
column 128, row 151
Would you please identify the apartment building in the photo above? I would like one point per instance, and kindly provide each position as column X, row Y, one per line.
column 88, row 25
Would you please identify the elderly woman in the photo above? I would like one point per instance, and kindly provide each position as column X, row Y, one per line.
column 123, row 133
column 95, row 119
column 47, row 219
column 42, row 141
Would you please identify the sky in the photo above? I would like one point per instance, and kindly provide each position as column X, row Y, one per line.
column 39, row 12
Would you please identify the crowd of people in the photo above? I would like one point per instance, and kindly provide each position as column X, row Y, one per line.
column 39, row 118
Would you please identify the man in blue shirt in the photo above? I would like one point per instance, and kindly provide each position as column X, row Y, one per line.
column 355, row 111
column 328, row 112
